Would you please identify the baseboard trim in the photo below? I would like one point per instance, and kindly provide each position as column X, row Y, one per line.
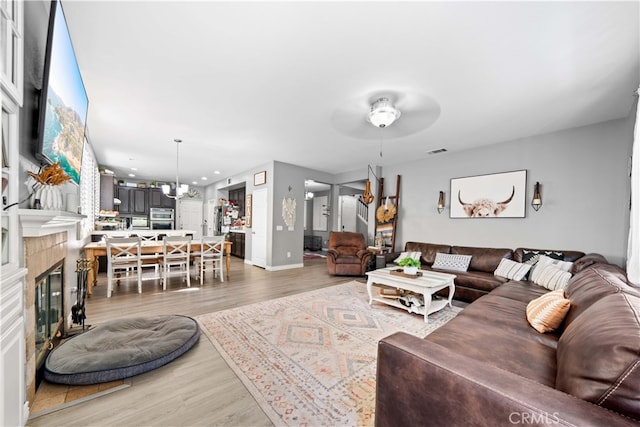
column 284, row 267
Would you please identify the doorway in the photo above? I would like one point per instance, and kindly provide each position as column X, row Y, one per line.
column 259, row 228
column 191, row 217
column 353, row 213
column 347, row 213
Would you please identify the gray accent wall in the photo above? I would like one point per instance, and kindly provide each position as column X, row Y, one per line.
column 287, row 175
column 280, row 176
column 584, row 173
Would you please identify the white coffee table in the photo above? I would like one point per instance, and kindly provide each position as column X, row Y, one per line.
column 426, row 285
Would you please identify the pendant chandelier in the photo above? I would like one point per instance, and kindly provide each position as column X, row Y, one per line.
column 367, row 197
column 181, row 190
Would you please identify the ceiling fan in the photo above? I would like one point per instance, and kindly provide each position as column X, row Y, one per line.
column 388, row 113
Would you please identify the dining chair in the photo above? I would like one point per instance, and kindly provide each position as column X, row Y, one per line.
column 147, row 237
column 176, row 252
column 123, row 253
column 150, row 260
column 210, row 257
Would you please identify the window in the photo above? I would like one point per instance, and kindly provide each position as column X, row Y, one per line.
column 11, row 48
column 89, row 189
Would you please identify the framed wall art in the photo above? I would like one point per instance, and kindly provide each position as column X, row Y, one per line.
column 248, row 206
column 260, row 178
column 498, row 195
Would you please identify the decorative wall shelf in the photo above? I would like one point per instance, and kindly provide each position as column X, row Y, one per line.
column 39, row 222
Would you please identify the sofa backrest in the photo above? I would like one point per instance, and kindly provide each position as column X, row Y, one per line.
column 592, row 284
column 587, row 261
column 598, row 355
column 429, row 250
column 483, row 259
column 346, row 242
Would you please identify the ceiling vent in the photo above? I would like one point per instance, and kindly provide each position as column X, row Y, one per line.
column 438, row 151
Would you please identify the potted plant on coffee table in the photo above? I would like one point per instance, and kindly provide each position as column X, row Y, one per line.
column 409, row 265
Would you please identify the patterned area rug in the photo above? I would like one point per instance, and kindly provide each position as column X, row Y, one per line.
column 310, row 359
column 312, row 255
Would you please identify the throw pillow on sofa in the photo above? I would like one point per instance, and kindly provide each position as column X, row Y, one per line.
column 551, row 277
column 511, row 269
column 546, row 313
column 562, row 265
column 403, row 255
column 544, row 260
column 532, row 257
column 452, row 262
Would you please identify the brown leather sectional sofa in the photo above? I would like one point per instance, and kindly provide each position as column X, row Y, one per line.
column 479, row 280
column 488, row 366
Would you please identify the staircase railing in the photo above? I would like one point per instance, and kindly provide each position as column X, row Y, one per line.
column 362, row 211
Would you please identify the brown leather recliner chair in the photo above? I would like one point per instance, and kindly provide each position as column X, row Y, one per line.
column 347, row 255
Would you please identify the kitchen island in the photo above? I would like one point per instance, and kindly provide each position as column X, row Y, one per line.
column 97, row 236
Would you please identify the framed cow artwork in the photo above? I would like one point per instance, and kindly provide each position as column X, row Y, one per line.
column 498, row 195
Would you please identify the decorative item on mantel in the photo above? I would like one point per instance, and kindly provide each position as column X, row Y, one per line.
column 46, row 192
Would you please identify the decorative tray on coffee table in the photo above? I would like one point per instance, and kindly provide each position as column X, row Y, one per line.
column 400, row 272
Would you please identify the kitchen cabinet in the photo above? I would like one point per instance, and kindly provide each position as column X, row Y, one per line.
column 157, row 199
column 237, row 244
column 133, row 201
column 237, row 196
column 107, row 192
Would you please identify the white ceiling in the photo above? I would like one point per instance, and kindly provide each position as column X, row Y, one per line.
column 246, row 83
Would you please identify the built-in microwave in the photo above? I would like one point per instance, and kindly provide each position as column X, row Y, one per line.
column 161, row 214
column 139, row 223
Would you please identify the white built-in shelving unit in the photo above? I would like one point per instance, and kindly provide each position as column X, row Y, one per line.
column 13, row 405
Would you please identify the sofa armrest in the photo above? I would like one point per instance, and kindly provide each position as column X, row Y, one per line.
column 332, row 255
column 587, row 261
column 389, row 257
column 363, row 253
column 422, row 383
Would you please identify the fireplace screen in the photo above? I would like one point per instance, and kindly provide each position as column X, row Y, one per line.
column 48, row 309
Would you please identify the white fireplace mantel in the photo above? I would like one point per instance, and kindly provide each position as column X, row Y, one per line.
column 40, row 222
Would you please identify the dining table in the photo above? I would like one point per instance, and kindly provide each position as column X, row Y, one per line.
column 95, row 249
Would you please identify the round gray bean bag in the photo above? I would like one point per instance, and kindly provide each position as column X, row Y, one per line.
column 121, row 348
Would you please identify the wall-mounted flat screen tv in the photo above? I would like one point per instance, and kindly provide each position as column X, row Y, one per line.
column 64, row 102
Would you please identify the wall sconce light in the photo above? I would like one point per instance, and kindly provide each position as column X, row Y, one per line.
column 441, row 199
column 536, row 202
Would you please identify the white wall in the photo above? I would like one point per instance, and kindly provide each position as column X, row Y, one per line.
column 585, row 191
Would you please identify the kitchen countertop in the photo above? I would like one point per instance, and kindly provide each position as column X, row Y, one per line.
column 142, row 232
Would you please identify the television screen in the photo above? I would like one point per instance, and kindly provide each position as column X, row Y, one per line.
column 63, row 108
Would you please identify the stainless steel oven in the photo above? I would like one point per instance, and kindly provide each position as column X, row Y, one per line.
column 161, row 218
column 162, row 225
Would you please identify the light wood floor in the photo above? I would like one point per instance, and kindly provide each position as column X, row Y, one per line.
column 198, row 388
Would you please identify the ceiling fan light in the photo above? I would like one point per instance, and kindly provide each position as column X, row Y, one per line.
column 383, row 113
